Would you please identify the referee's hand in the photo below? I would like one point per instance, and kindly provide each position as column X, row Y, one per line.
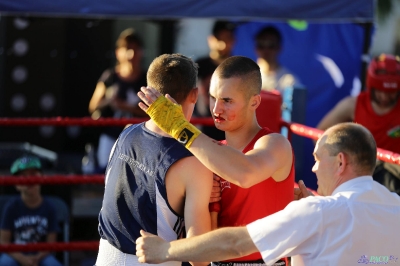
column 301, row 191
column 151, row 248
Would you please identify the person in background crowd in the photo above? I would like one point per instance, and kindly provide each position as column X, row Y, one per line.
column 268, row 45
column 221, row 43
column 115, row 93
column 30, row 218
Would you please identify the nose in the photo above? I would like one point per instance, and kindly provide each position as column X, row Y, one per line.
column 217, row 106
column 314, row 168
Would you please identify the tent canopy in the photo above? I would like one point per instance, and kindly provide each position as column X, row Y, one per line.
column 338, row 10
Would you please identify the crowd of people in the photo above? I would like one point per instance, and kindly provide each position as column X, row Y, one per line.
column 228, row 189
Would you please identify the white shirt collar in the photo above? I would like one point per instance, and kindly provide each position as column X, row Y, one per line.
column 351, row 183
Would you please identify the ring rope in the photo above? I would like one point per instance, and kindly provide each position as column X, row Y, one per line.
column 305, row 131
column 87, row 121
column 313, row 133
column 51, row 180
column 56, row 246
column 298, row 129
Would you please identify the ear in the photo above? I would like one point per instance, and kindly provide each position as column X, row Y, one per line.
column 255, row 101
column 342, row 162
column 194, row 93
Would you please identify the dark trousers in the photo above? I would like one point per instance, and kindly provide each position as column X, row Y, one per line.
column 388, row 175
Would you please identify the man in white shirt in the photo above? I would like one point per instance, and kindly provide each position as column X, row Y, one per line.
column 355, row 221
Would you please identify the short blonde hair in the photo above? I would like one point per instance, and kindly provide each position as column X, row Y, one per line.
column 174, row 74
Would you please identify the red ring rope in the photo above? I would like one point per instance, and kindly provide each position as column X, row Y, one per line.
column 86, row 121
column 51, row 179
column 56, row 246
column 313, row 133
column 299, row 129
column 388, row 156
column 305, row 131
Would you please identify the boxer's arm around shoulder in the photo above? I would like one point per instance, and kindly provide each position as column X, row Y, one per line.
column 271, row 157
column 272, row 153
column 221, row 244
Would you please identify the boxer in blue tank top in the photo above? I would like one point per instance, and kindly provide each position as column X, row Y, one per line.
column 153, row 182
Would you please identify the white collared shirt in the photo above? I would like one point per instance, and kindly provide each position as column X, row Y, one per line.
column 359, row 224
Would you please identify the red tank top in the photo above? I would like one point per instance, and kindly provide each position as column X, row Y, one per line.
column 385, row 128
column 241, row 206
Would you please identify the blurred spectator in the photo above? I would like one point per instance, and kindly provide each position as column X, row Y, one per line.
column 268, row 45
column 30, row 218
column 115, row 93
column 221, row 43
column 378, row 109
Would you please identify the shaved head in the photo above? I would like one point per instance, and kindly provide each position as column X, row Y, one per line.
column 244, row 68
column 354, row 140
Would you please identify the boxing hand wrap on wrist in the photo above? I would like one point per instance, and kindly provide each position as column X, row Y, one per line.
column 169, row 117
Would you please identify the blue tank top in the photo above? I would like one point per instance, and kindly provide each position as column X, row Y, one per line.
column 135, row 195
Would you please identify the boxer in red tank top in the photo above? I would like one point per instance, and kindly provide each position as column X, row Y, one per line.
column 239, row 206
column 385, row 128
column 378, row 109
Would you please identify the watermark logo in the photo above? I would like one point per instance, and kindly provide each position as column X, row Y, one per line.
column 377, row 259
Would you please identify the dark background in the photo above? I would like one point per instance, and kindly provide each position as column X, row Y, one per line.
column 66, row 57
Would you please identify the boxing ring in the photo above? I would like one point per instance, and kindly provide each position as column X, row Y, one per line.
column 7, row 180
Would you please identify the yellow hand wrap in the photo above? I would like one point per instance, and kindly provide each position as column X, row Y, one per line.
column 169, row 117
